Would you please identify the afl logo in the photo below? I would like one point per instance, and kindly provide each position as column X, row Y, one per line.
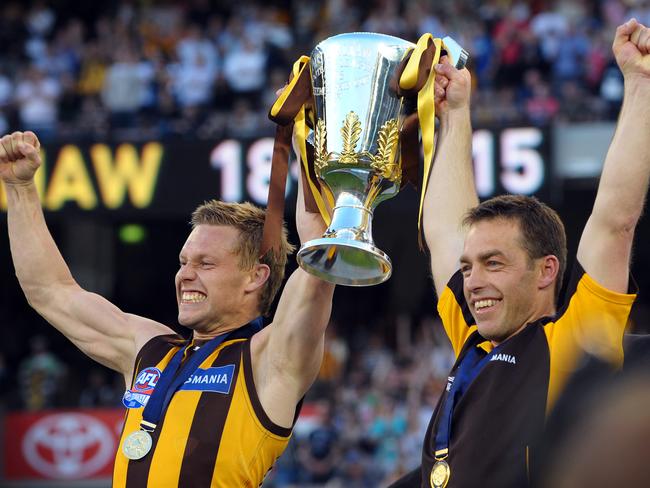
column 146, row 381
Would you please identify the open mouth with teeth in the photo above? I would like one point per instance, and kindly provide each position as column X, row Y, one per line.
column 485, row 305
column 192, row 297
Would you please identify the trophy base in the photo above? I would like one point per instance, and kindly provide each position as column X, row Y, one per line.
column 345, row 262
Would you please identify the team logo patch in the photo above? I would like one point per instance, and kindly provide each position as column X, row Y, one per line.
column 145, row 382
column 507, row 358
column 217, row 380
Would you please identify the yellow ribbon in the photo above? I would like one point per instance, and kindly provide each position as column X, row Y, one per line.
column 426, row 106
column 301, row 131
column 301, row 64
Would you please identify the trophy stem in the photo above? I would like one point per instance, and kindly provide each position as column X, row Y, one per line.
column 346, row 254
column 351, row 222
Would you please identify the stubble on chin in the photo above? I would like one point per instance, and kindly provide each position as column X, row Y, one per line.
column 489, row 333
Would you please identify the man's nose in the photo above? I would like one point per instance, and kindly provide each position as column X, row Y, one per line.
column 475, row 279
column 186, row 272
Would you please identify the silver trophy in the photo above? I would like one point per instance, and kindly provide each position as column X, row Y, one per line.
column 356, row 150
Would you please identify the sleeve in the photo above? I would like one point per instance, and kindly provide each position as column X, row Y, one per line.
column 592, row 319
column 455, row 314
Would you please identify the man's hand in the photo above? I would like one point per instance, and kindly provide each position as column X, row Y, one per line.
column 452, row 87
column 19, row 158
column 632, row 49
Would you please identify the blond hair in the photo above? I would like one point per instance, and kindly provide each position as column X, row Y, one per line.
column 249, row 221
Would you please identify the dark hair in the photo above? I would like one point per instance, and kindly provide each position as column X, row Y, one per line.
column 542, row 230
column 249, row 221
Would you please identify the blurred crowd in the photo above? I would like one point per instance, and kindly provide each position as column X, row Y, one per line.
column 211, row 68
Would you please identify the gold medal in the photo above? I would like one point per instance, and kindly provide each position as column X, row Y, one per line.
column 137, row 444
column 440, row 474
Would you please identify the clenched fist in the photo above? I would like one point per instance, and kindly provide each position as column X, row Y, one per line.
column 19, row 157
column 632, row 48
column 452, row 87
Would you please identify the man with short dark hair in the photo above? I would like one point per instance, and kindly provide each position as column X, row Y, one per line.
column 515, row 342
column 214, row 411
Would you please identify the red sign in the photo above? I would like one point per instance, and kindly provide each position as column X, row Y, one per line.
column 61, row 445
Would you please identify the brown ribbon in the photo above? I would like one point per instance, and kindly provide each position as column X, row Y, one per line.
column 410, row 151
column 273, row 223
column 424, row 68
column 274, row 220
column 299, row 96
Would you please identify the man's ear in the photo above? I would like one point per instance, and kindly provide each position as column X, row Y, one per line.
column 257, row 277
column 549, row 268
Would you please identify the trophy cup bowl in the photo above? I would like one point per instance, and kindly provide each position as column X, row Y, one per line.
column 356, row 151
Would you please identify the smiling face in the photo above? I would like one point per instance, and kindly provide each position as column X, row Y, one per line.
column 503, row 286
column 211, row 288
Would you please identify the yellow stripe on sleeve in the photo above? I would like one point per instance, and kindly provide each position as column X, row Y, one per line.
column 593, row 322
column 457, row 329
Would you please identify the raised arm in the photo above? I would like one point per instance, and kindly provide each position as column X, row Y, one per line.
column 290, row 350
column 94, row 325
column 606, row 243
column 450, row 191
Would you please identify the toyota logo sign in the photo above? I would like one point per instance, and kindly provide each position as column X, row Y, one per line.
column 68, row 446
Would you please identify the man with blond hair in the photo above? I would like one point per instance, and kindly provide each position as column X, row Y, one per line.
column 216, row 410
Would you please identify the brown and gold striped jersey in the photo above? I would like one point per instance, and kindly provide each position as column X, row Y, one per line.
column 214, row 432
column 502, row 413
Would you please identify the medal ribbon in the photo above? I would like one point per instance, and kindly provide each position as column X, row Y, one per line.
column 172, row 379
column 470, row 366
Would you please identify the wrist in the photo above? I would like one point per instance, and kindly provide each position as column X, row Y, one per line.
column 636, row 85
column 20, row 190
column 455, row 118
column 636, row 98
column 20, row 185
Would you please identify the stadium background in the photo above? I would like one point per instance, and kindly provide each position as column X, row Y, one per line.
column 145, row 109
